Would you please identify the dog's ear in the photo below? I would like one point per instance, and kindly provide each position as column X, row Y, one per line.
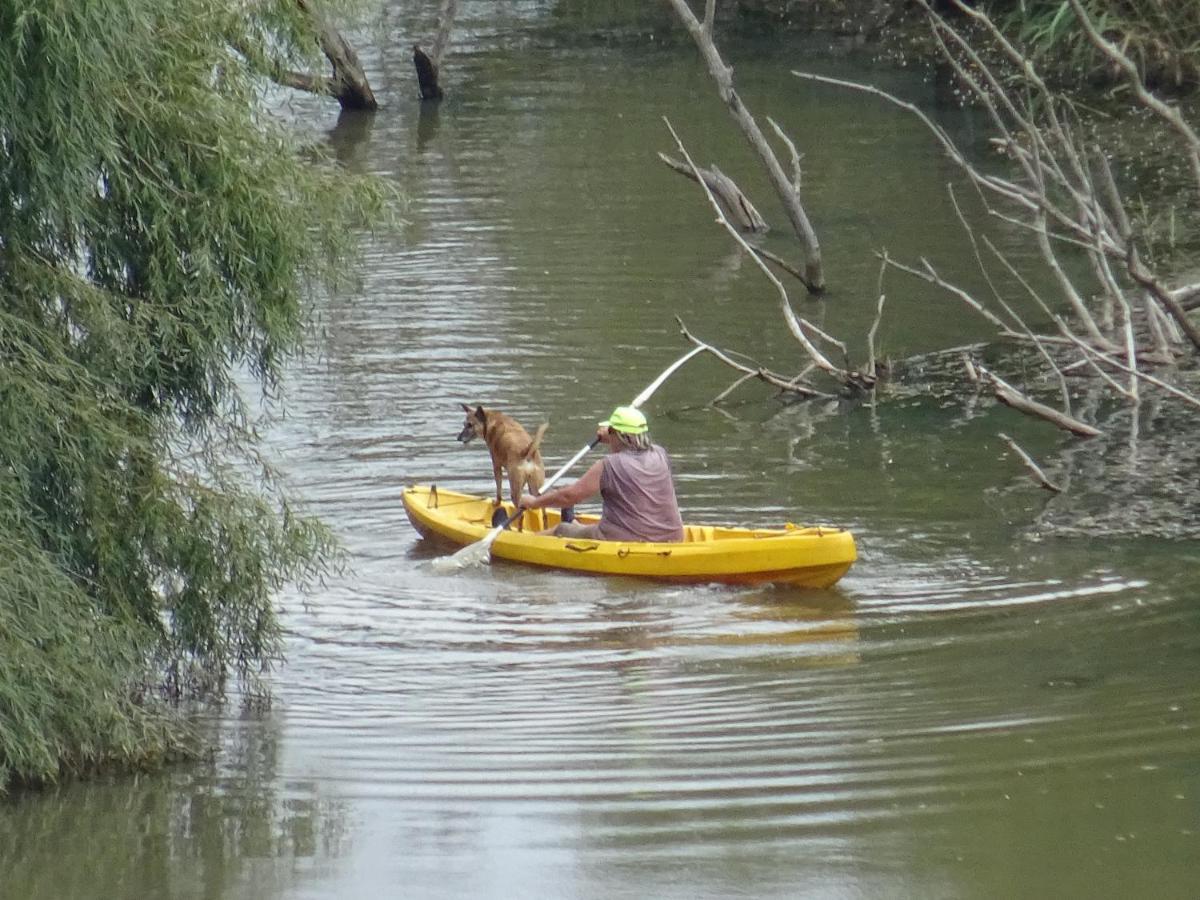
column 480, row 414
column 466, row 408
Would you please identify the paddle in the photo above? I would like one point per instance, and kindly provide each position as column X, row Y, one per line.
column 480, row 552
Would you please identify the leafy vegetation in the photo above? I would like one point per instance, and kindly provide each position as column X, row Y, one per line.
column 158, row 235
column 1161, row 36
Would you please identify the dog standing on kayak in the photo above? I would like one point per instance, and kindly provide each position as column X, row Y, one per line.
column 511, row 448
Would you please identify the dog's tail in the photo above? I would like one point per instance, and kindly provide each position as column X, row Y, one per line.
column 536, row 442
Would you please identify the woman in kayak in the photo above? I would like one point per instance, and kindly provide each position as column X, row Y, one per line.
column 634, row 484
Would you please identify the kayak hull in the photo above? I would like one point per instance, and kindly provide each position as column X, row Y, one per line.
column 814, row 556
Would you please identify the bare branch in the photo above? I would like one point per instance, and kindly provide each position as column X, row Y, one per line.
column 796, row 325
column 931, row 275
column 1066, row 286
column 1011, row 397
column 1012, row 314
column 1163, row 295
column 723, row 76
column 790, row 385
column 733, row 387
column 781, row 262
column 1187, row 398
column 1035, row 471
column 795, row 154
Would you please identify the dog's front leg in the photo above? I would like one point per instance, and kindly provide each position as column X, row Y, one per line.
column 496, row 475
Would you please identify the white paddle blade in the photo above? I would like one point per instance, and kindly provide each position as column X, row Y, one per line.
column 470, row 556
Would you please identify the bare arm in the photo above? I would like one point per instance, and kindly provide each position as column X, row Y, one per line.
column 586, row 487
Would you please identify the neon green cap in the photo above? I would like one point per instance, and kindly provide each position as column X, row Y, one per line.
column 627, row 420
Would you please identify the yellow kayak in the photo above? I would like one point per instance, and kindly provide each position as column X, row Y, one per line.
column 815, row 556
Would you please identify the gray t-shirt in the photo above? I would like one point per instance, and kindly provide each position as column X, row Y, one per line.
column 639, row 497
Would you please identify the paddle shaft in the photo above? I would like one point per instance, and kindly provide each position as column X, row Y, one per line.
column 637, row 402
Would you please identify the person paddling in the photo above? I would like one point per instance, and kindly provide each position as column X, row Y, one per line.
column 634, row 483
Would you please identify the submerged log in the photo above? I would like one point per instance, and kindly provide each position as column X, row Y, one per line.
column 737, row 208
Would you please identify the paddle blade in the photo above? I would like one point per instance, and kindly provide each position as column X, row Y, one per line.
column 470, row 556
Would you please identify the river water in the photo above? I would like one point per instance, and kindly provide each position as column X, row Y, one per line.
column 979, row 709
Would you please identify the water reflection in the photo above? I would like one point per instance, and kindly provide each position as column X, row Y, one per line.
column 427, row 122
column 229, row 825
column 350, row 136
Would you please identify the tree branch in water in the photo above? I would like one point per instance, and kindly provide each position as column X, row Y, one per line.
column 1035, row 471
column 723, row 76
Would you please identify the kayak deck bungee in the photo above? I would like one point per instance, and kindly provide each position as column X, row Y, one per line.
column 814, row 556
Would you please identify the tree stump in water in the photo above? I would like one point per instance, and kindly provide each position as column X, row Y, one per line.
column 349, row 83
column 427, row 75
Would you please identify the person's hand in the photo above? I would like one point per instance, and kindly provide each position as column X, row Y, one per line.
column 527, row 501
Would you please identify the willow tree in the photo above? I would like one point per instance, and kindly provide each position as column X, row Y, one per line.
column 159, row 236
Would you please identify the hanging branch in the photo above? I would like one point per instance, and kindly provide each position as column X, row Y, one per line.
column 723, row 76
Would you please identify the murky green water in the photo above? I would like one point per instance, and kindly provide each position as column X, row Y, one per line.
column 972, row 712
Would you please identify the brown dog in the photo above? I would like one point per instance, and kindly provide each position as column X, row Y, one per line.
column 511, row 447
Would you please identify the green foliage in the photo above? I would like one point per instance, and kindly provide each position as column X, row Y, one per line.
column 157, row 236
column 1161, row 36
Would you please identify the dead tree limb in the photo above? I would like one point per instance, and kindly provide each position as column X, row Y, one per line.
column 797, row 171
column 779, row 261
column 1012, row 313
column 723, row 76
column 736, row 206
column 1035, row 471
column 787, row 385
column 930, row 275
column 796, row 325
column 349, row 82
column 1014, row 399
column 1187, row 398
